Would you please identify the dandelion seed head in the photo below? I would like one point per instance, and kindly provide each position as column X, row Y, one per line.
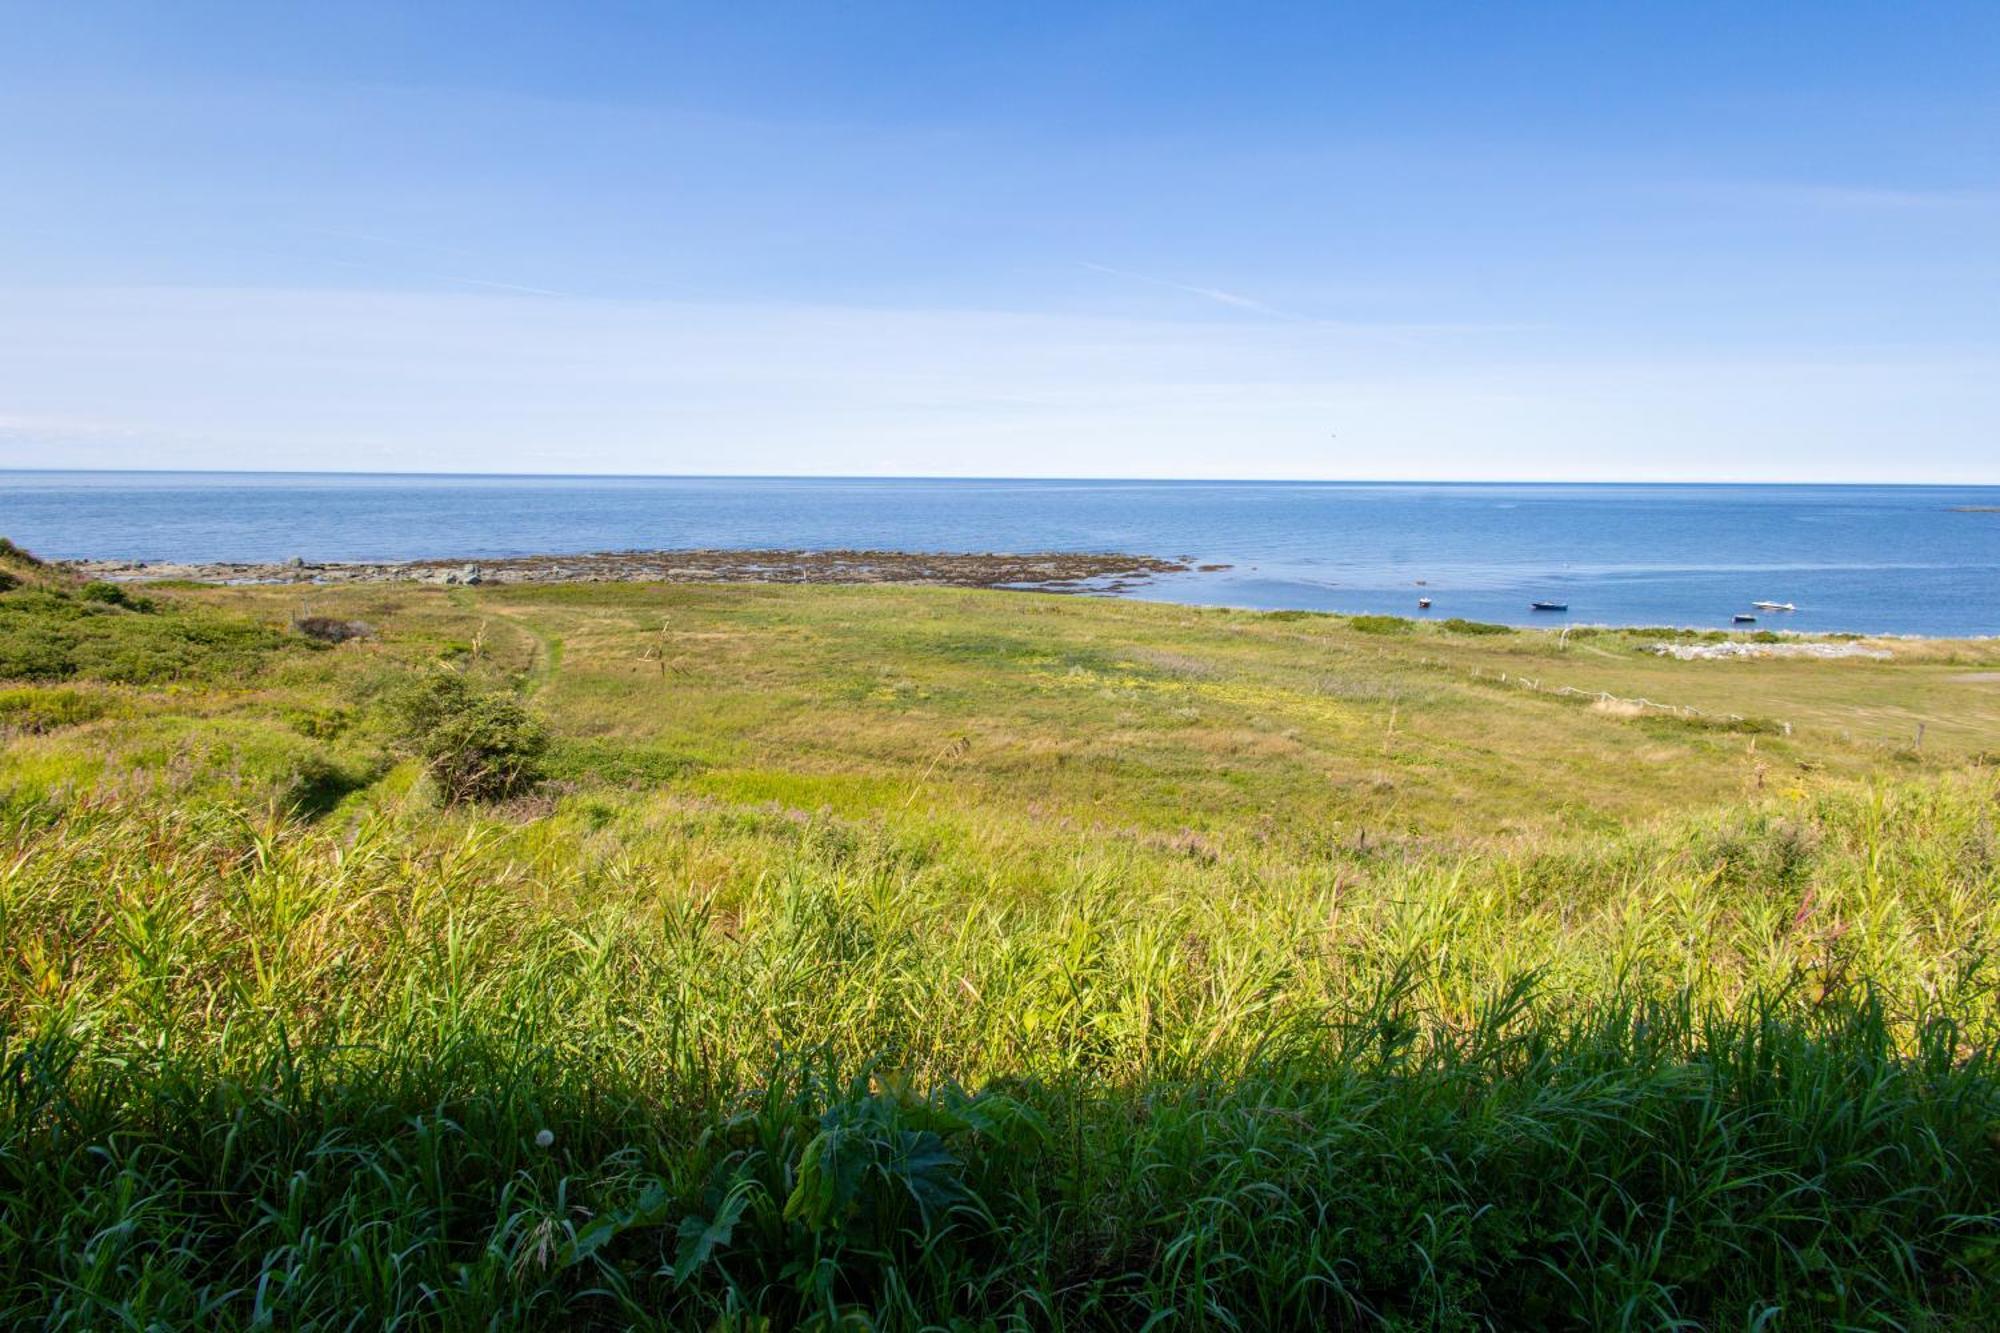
column 544, row 1138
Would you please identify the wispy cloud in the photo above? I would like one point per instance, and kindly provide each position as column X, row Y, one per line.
column 1215, row 294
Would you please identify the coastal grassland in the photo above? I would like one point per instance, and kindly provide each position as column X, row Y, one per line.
column 1134, row 715
column 918, row 957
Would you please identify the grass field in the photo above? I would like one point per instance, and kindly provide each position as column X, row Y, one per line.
column 912, row 957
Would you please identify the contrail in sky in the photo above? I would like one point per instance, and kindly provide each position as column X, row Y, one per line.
column 1212, row 293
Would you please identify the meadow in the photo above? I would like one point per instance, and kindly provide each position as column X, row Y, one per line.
column 908, row 957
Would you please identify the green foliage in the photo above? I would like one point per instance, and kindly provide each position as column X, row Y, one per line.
column 49, row 633
column 113, row 594
column 1675, row 632
column 1668, row 723
column 318, row 722
column 41, row 709
column 1380, row 624
column 1455, row 625
column 620, row 765
column 313, row 783
column 471, row 1076
column 476, row 744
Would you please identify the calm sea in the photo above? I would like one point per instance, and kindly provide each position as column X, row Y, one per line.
column 1882, row 559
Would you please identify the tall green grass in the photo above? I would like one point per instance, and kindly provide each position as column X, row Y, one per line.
column 691, row 1066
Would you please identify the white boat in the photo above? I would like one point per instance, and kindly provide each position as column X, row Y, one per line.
column 1774, row 606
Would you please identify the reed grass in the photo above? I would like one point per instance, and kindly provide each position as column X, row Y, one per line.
column 258, row 1072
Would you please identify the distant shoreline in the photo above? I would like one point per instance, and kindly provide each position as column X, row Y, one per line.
column 1887, row 560
column 1048, row 571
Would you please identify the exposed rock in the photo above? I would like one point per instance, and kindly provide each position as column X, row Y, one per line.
column 1048, row 571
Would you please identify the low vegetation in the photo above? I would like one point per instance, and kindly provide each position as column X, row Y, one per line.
column 475, row 744
column 768, row 958
column 51, row 629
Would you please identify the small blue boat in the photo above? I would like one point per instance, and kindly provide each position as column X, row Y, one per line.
column 1548, row 606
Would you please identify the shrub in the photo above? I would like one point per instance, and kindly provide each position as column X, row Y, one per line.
column 1454, row 625
column 1379, row 624
column 8, row 582
column 477, row 745
column 112, row 594
column 318, row 723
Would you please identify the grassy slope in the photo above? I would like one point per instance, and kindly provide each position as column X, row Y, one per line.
column 1294, row 974
column 1157, row 717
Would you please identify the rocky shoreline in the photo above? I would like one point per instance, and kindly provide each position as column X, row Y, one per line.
column 1048, row 571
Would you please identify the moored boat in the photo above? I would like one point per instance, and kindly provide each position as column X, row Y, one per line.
column 1774, row 606
column 1548, row 606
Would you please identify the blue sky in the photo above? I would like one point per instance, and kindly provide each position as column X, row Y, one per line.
column 1251, row 240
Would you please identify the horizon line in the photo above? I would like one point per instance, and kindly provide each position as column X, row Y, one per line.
column 1019, row 477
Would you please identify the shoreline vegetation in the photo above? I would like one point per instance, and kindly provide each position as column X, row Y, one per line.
column 693, row 953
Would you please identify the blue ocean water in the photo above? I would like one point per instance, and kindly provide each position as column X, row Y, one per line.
column 1878, row 559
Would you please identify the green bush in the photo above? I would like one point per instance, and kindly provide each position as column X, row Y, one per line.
column 112, row 594
column 477, row 745
column 1379, row 624
column 1454, row 625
